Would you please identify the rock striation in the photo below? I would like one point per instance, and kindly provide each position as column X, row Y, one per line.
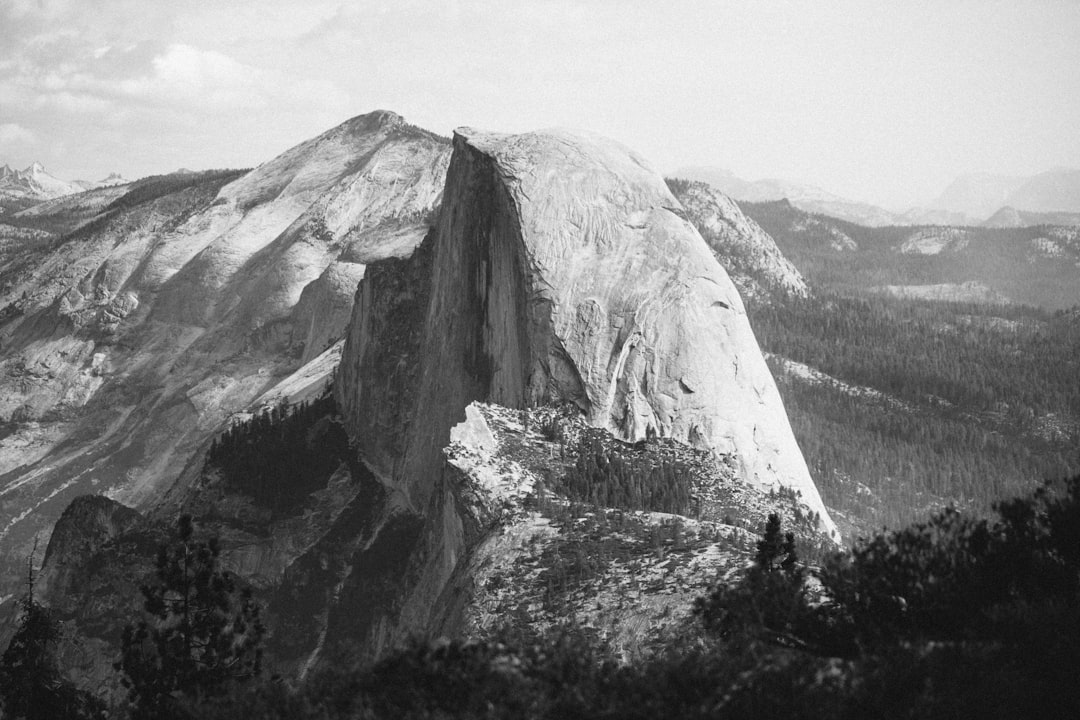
column 564, row 271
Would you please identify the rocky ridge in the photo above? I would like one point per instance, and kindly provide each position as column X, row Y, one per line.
column 805, row 197
column 747, row 253
column 24, row 189
column 629, row 575
column 1010, row 217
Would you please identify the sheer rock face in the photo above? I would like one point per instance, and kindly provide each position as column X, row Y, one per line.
column 563, row 270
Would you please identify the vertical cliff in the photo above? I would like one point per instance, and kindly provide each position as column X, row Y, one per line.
column 563, row 270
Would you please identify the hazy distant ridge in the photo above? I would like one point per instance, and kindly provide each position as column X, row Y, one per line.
column 973, row 199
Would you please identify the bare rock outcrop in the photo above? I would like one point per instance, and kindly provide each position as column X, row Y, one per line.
column 84, row 528
column 563, row 270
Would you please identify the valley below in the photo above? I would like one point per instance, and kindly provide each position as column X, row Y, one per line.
column 933, row 366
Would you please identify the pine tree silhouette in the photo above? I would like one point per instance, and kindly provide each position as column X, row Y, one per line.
column 31, row 684
column 201, row 640
column 771, row 546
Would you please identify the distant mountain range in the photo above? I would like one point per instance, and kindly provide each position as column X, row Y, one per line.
column 982, row 195
column 977, row 195
column 806, row 197
column 1010, row 217
column 1052, row 197
column 1053, row 191
column 20, row 189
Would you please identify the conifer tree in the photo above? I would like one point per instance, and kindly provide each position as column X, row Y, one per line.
column 771, row 545
column 201, row 639
column 791, row 555
column 31, row 684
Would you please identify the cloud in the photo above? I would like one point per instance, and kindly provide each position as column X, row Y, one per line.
column 222, row 24
column 90, row 81
column 75, row 103
column 185, row 74
column 13, row 134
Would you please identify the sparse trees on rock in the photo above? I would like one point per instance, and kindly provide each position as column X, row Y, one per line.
column 769, row 604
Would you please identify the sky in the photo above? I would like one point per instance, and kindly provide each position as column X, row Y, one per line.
column 878, row 101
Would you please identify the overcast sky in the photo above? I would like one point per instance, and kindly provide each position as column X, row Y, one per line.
column 882, row 101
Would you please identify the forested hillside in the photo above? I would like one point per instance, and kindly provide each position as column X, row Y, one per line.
column 282, row 454
column 901, row 407
column 1019, row 361
column 904, row 399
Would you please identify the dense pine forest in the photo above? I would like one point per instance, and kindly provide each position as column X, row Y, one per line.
column 1017, row 360
column 607, row 477
column 280, row 455
column 921, row 403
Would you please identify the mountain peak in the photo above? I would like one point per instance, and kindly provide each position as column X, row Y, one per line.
column 1007, row 216
column 310, row 168
column 374, row 119
column 33, row 184
column 386, row 117
column 113, row 178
